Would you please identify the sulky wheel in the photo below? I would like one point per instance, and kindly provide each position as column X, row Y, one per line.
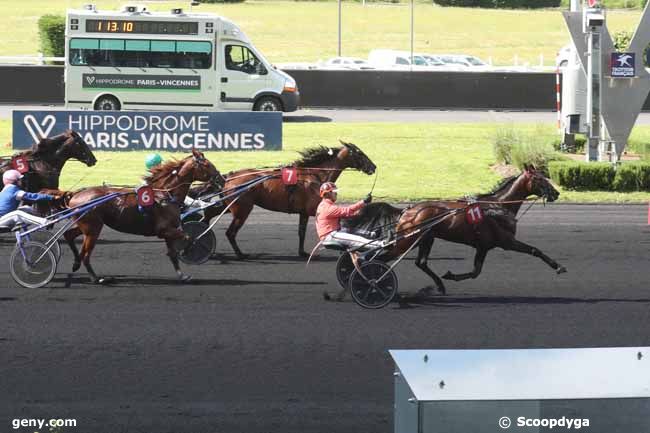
column 377, row 289
column 199, row 250
column 43, row 237
column 344, row 268
column 33, row 265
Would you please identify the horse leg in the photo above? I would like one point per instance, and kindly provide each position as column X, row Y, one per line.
column 421, row 262
column 171, row 237
column 302, row 230
column 70, row 236
column 239, row 215
column 479, row 258
column 90, row 239
column 521, row 247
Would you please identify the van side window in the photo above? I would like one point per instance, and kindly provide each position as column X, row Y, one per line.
column 401, row 61
column 240, row 58
column 140, row 53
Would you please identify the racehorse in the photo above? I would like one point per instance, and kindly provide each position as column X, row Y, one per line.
column 170, row 182
column 497, row 227
column 47, row 158
column 316, row 166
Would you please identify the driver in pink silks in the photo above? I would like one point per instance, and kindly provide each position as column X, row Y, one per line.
column 328, row 218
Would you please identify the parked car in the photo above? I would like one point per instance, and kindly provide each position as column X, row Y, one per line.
column 464, row 60
column 564, row 56
column 347, row 63
column 395, row 59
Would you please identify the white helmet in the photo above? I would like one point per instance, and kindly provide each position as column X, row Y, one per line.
column 11, row 176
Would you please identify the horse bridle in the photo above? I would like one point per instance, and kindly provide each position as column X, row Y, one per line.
column 76, row 140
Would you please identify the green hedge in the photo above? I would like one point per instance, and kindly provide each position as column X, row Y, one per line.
column 51, row 32
column 502, row 4
column 629, row 176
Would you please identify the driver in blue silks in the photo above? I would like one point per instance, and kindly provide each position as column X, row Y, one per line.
column 10, row 198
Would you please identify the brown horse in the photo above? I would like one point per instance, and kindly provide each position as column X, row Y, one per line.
column 170, row 181
column 47, row 158
column 497, row 228
column 317, row 165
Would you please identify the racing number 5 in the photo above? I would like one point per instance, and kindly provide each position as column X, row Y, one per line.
column 21, row 165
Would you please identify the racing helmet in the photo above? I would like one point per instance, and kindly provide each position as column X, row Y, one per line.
column 11, row 176
column 327, row 187
column 152, row 160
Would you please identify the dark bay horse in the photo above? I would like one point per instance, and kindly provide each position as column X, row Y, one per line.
column 316, row 166
column 170, row 181
column 47, row 158
column 497, row 228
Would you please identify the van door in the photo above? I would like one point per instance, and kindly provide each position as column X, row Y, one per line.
column 243, row 75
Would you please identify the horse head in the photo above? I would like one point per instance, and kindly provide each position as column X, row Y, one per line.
column 538, row 184
column 199, row 168
column 353, row 157
column 74, row 147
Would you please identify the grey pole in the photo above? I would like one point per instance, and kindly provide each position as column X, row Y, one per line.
column 594, row 72
column 339, row 50
column 412, row 32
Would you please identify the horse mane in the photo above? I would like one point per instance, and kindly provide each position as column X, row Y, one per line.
column 315, row 156
column 500, row 186
column 162, row 170
column 46, row 144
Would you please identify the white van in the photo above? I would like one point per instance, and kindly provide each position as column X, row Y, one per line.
column 136, row 59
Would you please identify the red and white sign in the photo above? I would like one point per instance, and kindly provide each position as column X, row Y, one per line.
column 145, row 196
column 21, row 164
column 473, row 214
column 289, row 175
column 593, row 3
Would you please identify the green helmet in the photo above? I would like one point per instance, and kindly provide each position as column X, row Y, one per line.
column 152, row 160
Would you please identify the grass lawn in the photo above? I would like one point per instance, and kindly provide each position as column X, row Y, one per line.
column 288, row 31
column 415, row 161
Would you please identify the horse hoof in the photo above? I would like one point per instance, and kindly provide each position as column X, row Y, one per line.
column 104, row 280
column 184, row 278
column 326, row 296
column 561, row 270
column 448, row 276
column 76, row 266
column 243, row 256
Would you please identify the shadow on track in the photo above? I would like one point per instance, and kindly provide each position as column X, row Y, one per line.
column 306, row 119
column 142, row 281
column 466, row 302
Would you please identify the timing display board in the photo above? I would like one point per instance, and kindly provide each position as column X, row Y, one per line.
column 142, row 27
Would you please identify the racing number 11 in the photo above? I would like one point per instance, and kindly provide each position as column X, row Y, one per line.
column 474, row 214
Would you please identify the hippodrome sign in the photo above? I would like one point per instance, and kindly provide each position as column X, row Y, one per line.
column 169, row 131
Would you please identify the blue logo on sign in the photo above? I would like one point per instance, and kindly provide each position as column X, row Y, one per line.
column 115, row 130
column 623, row 65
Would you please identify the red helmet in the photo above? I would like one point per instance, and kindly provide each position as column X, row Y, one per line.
column 327, row 187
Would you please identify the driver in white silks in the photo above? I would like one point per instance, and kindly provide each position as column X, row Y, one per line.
column 328, row 218
column 11, row 196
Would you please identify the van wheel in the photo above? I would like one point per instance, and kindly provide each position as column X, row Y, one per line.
column 267, row 103
column 107, row 103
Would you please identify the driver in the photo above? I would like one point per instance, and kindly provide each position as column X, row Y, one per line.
column 10, row 198
column 328, row 218
column 154, row 160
